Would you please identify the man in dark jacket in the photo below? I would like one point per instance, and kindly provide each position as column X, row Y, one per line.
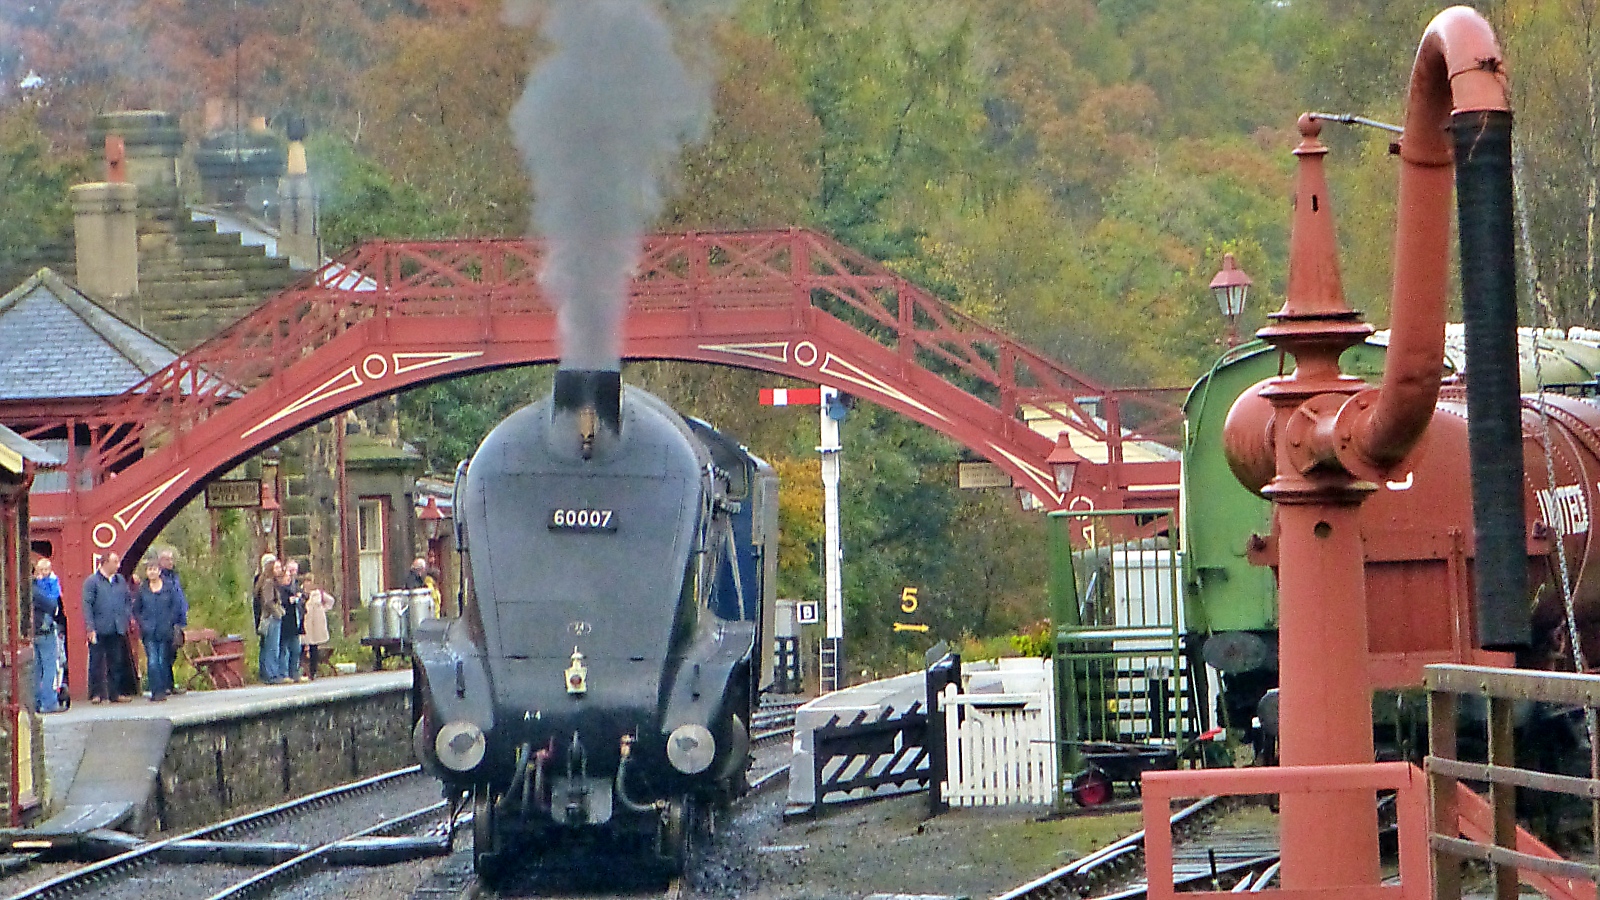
column 169, row 572
column 167, row 559
column 107, row 610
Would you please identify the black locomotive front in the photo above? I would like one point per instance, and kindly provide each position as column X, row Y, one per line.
column 589, row 684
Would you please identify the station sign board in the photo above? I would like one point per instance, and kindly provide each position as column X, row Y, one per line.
column 976, row 476
column 234, row 493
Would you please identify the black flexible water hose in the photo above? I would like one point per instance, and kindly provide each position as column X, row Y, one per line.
column 1494, row 412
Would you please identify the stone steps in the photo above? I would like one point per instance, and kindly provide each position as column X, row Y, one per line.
column 168, row 265
column 182, row 328
column 189, row 295
column 247, row 278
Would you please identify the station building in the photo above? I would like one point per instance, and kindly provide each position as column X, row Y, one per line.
column 21, row 733
column 214, row 226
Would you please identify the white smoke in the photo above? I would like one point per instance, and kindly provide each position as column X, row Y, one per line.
column 600, row 126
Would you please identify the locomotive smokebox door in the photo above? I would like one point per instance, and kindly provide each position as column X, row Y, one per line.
column 577, row 674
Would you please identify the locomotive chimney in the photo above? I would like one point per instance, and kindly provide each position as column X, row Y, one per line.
column 588, row 403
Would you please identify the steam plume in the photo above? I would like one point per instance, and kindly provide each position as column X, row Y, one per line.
column 599, row 126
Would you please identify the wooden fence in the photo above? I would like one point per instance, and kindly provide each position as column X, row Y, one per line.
column 1001, row 748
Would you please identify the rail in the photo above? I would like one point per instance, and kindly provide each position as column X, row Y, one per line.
column 1081, row 875
column 1160, row 788
column 302, row 865
column 1464, row 826
column 794, row 270
column 94, row 875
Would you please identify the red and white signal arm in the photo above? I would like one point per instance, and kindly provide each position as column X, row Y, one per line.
column 807, row 613
column 791, row 396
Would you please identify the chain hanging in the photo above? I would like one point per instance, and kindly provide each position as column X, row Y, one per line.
column 1543, row 316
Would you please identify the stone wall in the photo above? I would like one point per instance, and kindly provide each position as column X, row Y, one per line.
column 216, row 769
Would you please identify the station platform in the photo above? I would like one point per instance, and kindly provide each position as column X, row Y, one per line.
column 197, row 756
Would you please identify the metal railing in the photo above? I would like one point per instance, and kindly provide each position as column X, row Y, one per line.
column 1161, row 788
column 1464, row 827
column 1122, row 684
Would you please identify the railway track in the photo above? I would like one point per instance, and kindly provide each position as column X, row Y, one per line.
column 320, row 856
column 773, row 721
column 263, row 863
column 1240, row 859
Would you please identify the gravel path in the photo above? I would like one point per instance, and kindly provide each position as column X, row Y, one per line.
column 349, row 816
column 890, row 846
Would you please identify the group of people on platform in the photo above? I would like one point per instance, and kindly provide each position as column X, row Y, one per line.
column 291, row 615
column 149, row 611
column 150, row 608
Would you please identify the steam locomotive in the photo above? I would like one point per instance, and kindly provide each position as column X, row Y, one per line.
column 618, row 563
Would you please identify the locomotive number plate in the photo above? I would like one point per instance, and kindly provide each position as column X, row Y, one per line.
column 584, row 520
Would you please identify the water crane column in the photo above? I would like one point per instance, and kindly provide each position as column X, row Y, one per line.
column 1317, row 442
column 1325, row 715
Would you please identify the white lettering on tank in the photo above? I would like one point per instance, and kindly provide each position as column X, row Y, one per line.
column 1566, row 509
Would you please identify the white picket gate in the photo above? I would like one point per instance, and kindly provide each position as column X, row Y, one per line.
column 1001, row 746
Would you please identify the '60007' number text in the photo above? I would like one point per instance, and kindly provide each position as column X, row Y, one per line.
column 582, row 520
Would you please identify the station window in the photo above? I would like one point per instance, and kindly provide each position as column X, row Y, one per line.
column 370, row 545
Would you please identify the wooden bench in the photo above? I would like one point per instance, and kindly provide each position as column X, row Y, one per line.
column 386, row 648
column 218, row 658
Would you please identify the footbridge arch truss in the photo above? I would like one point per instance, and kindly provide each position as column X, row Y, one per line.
column 388, row 316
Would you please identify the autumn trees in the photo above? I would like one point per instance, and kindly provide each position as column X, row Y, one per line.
column 1070, row 170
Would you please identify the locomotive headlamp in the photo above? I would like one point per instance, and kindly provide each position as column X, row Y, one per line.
column 690, row 748
column 577, row 674
column 460, row 746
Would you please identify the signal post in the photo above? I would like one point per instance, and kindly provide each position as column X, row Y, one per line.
column 831, row 413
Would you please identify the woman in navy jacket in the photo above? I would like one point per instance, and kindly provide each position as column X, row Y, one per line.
column 160, row 615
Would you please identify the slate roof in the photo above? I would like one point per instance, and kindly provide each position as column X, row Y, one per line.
column 58, row 343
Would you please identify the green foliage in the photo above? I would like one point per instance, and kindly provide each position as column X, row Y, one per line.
column 34, row 210
column 1034, row 641
column 895, row 93
column 216, row 580
column 359, row 200
column 446, row 421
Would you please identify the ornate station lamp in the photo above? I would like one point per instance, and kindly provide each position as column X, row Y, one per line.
column 1064, row 463
column 1230, row 286
column 432, row 517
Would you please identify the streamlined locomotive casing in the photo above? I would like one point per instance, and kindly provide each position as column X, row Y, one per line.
column 590, row 676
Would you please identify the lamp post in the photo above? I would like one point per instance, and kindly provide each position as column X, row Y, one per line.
column 270, row 462
column 1230, row 286
column 1064, row 461
column 432, row 518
